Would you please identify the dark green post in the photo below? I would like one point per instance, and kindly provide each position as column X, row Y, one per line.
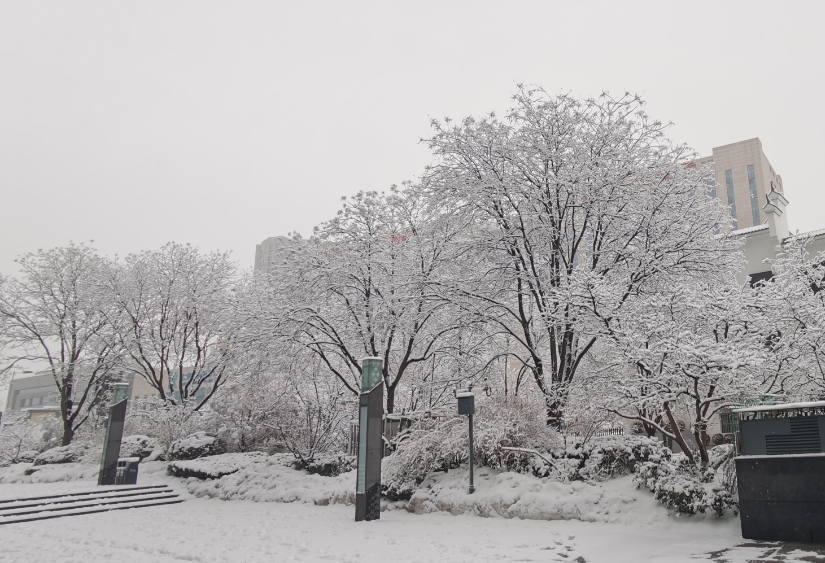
column 114, row 434
column 370, row 441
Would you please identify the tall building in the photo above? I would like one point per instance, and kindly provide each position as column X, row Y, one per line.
column 271, row 252
column 744, row 177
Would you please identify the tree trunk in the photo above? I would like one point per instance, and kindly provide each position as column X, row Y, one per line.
column 677, row 433
column 68, row 433
column 699, row 435
column 390, row 399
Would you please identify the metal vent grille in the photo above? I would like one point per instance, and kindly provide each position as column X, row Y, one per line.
column 803, row 439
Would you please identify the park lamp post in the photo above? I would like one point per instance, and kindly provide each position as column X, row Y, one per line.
column 370, row 440
column 467, row 406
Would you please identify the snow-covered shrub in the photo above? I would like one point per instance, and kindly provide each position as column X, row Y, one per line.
column 137, row 446
column 718, row 455
column 20, row 439
column 438, row 445
column 61, row 454
column 327, row 465
column 430, row 445
column 214, row 467
column 166, row 422
column 508, row 422
column 199, row 444
column 604, row 458
column 681, row 493
column 683, row 487
column 728, row 479
column 247, row 411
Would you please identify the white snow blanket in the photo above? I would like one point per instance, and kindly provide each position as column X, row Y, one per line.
column 498, row 494
column 48, row 473
column 513, row 495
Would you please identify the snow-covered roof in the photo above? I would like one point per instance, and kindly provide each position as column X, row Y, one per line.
column 783, row 407
column 749, row 230
column 812, row 234
column 464, row 395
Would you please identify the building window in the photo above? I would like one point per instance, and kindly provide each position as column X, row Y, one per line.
column 731, row 198
column 754, row 198
column 724, row 422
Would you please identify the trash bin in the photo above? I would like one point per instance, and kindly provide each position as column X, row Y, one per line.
column 127, row 471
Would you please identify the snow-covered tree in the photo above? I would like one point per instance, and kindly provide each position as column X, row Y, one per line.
column 578, row 207
column 59, row 315
column 689, row 352
column 794, row 306
column 176, row 304
column 364, row 285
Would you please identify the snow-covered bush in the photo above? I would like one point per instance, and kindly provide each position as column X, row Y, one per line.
column 439, row 445
column 430, row 445
column 214, row 467
column 509, row 422
column 327, row 465
column 247, row 410
column 684, row 487
column 61, row 454
column 165, row 422
column 197, row 445
column 20, row 439
column 137, row 446
column 681, row 493
column 603, row 458
column 718, row 455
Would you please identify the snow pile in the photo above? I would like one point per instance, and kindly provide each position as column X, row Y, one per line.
column 199, row 444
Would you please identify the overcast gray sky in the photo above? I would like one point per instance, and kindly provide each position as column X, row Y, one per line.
column 223, row 123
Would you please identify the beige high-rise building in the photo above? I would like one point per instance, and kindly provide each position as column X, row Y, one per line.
column 744, row 177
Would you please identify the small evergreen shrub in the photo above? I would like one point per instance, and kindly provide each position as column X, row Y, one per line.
column 60, row 454
column 195, row 446
column 137, row 446
column 327, row 465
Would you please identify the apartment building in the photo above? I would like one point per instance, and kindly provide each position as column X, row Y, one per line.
column 744, row 177
column 271, row 253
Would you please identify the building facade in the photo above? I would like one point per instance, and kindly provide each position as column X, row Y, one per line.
column 271, row 253
column 37, row 394
column 743, row 179
column 763, row 242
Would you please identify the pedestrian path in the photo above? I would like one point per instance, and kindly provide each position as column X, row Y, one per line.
column 770, row 552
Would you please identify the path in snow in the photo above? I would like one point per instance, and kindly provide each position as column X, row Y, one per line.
column 204, row 530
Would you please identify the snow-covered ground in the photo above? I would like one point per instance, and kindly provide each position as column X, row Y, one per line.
column 212, row 530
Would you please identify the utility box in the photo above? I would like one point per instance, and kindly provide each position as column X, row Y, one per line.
column 466, row 402
column 781, row 471
column 127, row 471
